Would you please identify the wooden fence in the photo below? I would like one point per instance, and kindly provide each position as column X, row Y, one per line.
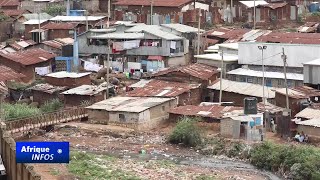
column 22, row 171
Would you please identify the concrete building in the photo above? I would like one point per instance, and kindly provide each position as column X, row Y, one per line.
column 140, row 113
column 185, row 93
column 27, row 62
column 42, row 93
column 69, row 79
column 233, row 91
column 311, row 73
column 86, row 94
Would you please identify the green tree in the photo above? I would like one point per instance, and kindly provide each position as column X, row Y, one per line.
column 55, row 10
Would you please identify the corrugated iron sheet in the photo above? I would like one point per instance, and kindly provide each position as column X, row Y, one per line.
column 290, row 37
column 18, row 45
column 5, row 3
column 309, row 113
column 274, row 5
column 7, row 74
column 213, row 111
column 198, row 70
column 162, row 3
column 300, row 92
column 29, row 57
column 48, row 88
column 60, row 26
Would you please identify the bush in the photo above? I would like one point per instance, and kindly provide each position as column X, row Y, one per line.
column 186, row 132
column 236, row 149
column 55, row 10
column 300, row 162
column 51, row 106
column 13, row 111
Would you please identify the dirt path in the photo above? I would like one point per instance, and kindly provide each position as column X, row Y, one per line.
column 125, row 144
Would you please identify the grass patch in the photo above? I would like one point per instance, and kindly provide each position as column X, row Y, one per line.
column 186, row 132
column 92, row 167
column 205, row 177
column 14, row 111
column 51, row 106
column 54, row 172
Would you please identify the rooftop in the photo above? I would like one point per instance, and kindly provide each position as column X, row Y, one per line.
column 60, row 26
column 58, row 43
column 7, row 74
column 5, row 3
column 300, row 92
column 182, row 28
column 274, row 5
column 128, row 104
column 77, row 18
column 159, row 3
column 269, row 107
column 35, row 16
column 311, row 122
column 267, row 74
column 65, row 74
column 218, row 57
column 198, row 70
column 18, row 45
column 159, row 88
column 244, row 88
column 11, row 12
column 251, row 4
column 309, row 113
column 212, row 111
column 35, row 21
column 119, row 36
column 290, row 37
column 315, row 62
column 155, row 30
column 234, row 46
column 88, row 90
column 47, row 88
column 29, row 56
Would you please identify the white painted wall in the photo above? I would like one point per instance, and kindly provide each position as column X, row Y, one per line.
column 297, row 54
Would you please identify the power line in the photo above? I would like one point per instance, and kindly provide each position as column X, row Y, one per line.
column 264, row 58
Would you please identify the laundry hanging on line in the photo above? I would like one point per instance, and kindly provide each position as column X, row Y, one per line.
column 89, row 66
column 43, row 70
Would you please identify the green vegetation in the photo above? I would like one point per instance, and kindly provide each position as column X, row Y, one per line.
column 55, row 10
column 51, row 106
column 301, row 162
column 54, row 171
column 3, row 17
column 92, row 167
column 186, row 132
column 13, row 111
column 205, row 177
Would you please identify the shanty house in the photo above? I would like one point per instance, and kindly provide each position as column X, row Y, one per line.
column 62, row 30
column 21, row 45
column 233, row 91
column 19, row 27
column 8, row 74
column 311, row 128
column 69, row 79
column 133, row 112
column 27, row 62
column 86, row 94
column 311, row 73
column 9, row 4
column 185, row 93
column 42, row 93
column 299, row 98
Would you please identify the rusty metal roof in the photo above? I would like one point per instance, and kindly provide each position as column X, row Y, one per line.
column 54, row 44
column 159, row 88
column 198, row 70
column 29, row 57
column 48, row 88
column 18, row 45
column 212, row 111
column 16, row 12
column 269, row 107
column 4, row 3
column 7, row 74
column 160, row 3
column 60, row 26
column 274, row 5
column 290, row 37
column 300, row 92
column 309, row 113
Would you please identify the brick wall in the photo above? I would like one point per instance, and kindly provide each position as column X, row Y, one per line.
column 42, row 97
column 98, row 116
column 232, row 97
column 69, row 82
column 226, row 128
column 312, row 132
column 294, row 104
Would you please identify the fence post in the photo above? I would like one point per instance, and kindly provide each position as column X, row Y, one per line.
column 13, row 159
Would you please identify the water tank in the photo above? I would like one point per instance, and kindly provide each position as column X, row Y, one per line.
column 314, row 7
column 250, row 105
column 67, row 50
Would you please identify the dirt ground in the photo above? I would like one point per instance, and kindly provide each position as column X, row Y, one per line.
column 125, row 144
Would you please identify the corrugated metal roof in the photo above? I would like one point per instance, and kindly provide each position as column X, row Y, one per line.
column 18, row 45
column 128, row 104
column 35, row 21
column 16, row 12
column 300, row 92
column 182, row 28
column 274, row 75
column 315, row 62
column 53, row 43
column 7, row 74
column 254, row 34
column 65, row 74
column 311, row 122
column 154, row 30
column 159, row 88
column 290, row 37
column 274, row 5
column 102, row 30
column 63, row 26
column 212, row 111
column 198, row 70
column 309, row 113
column 77, row 18
column 119, row 36
column 87, row 90
column 30, row 56
column 269, row 107
column 159, row 3
column 234, row 46
column 6, row 3
column 242, row 118
column 35, row 16
column 47, row 88
column 244, row 88
column 251, row 4
column 218, row 57
column 140, row 83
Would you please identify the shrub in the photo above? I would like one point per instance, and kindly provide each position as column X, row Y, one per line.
column 55, row 10
column 186, row 132
column 236, row 149
column 13, row 111
column 51, row 106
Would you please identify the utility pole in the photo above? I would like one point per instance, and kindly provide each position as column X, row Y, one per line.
column 231, row 3
column 108, row 52
column 87, row 23
column 221, row 77
column 68, row 8
column 199, row 19
column 262, row 48
column 1, row 107
column 39, row 21
column 284, row 58
column 151, row 14
column 254, row 14
column 108, row 21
